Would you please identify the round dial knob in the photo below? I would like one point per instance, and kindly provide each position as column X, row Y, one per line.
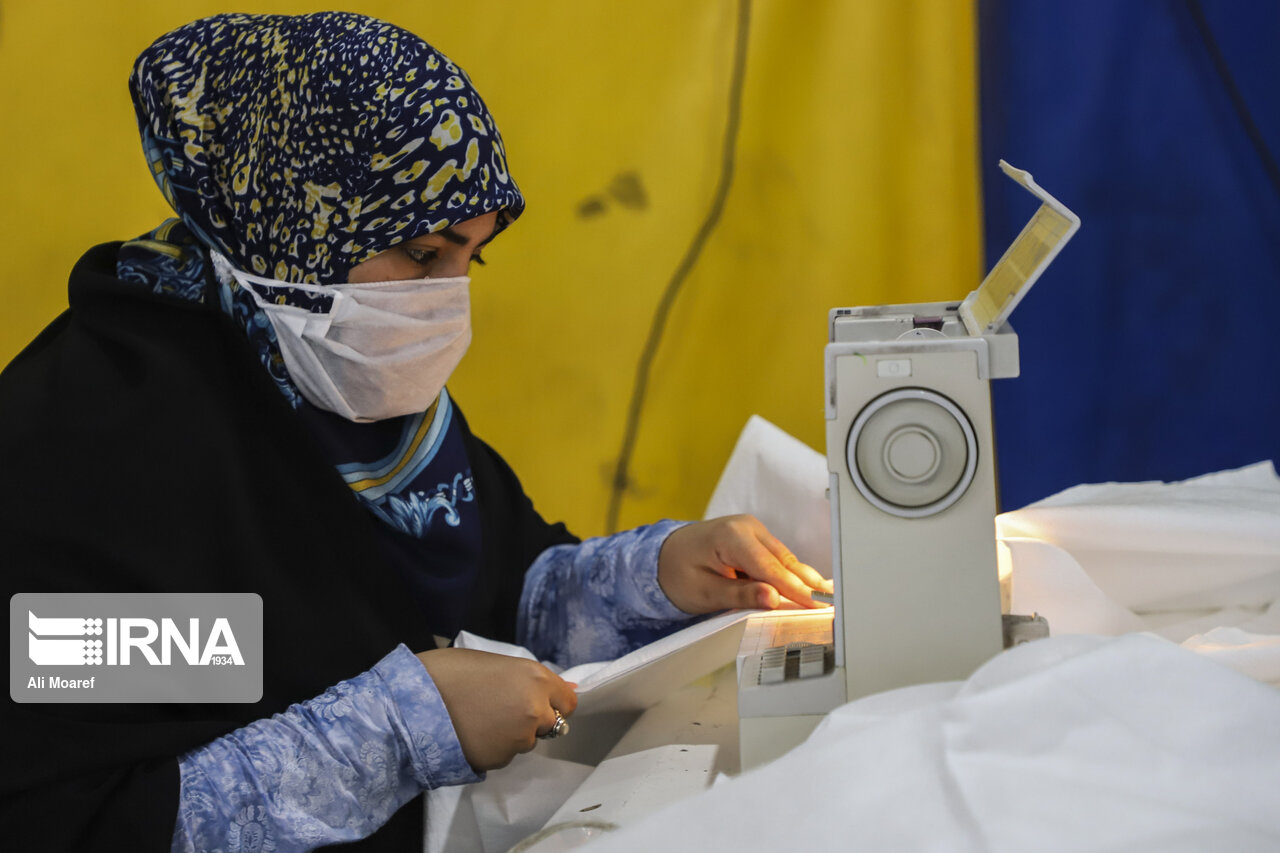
column 912, row 452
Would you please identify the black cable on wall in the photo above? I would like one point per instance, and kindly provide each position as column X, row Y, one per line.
column 657, row 326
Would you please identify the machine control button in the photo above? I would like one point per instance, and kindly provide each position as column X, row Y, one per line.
column 773, row 665
column 795, row 660
column 891, row 368
column 812, row 661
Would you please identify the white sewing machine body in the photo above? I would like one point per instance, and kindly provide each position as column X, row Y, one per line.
column 911, row 464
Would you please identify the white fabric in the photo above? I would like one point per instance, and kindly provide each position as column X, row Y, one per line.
column 1067, row 744
column 384, row 349
column 1213, row 541
column 1256, row 655
column 781, row 481
column 1048, row 581
column 644, row 676
column 510, row 804
column 1196, row 562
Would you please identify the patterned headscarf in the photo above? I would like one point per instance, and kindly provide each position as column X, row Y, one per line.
column 300, row 146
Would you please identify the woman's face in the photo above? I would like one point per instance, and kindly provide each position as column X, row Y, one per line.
column 444, row 254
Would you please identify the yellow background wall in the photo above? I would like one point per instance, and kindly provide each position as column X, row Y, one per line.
column 856, row 183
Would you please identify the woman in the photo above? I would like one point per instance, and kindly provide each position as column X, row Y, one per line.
column 179, row 430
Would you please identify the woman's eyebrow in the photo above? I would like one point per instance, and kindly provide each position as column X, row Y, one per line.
column 453, row 236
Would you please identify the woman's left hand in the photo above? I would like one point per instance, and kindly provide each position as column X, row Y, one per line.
column 733, row 562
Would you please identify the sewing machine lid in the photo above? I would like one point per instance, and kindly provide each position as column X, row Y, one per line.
column 1050, row 227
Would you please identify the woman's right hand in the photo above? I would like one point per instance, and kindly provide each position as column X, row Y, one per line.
column 498, row 704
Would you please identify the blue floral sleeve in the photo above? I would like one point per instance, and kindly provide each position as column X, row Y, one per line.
column 598, row 600
column 326, row 771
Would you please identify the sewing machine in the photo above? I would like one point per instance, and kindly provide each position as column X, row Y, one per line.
column 911, row 462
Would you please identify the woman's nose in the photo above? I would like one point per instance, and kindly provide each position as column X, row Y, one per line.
column 454, row 264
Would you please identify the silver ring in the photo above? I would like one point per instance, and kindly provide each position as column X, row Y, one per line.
column 560, row 728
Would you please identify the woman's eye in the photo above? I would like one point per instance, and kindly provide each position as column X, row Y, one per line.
column 425, row 256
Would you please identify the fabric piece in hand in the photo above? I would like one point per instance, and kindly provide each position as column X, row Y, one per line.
column 329, row 770
column 645, row 675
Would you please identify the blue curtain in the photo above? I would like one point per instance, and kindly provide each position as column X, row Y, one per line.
column 1149, row 348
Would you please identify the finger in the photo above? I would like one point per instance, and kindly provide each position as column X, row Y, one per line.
column 547, row 722
column 562, row 697
column 759, row 563
column 750, row 595
column 717, row 593
column 808, row 574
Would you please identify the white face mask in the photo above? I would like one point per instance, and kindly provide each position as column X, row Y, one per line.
column 384, row 348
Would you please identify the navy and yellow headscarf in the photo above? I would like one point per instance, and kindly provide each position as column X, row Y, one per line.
column 300, row 146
